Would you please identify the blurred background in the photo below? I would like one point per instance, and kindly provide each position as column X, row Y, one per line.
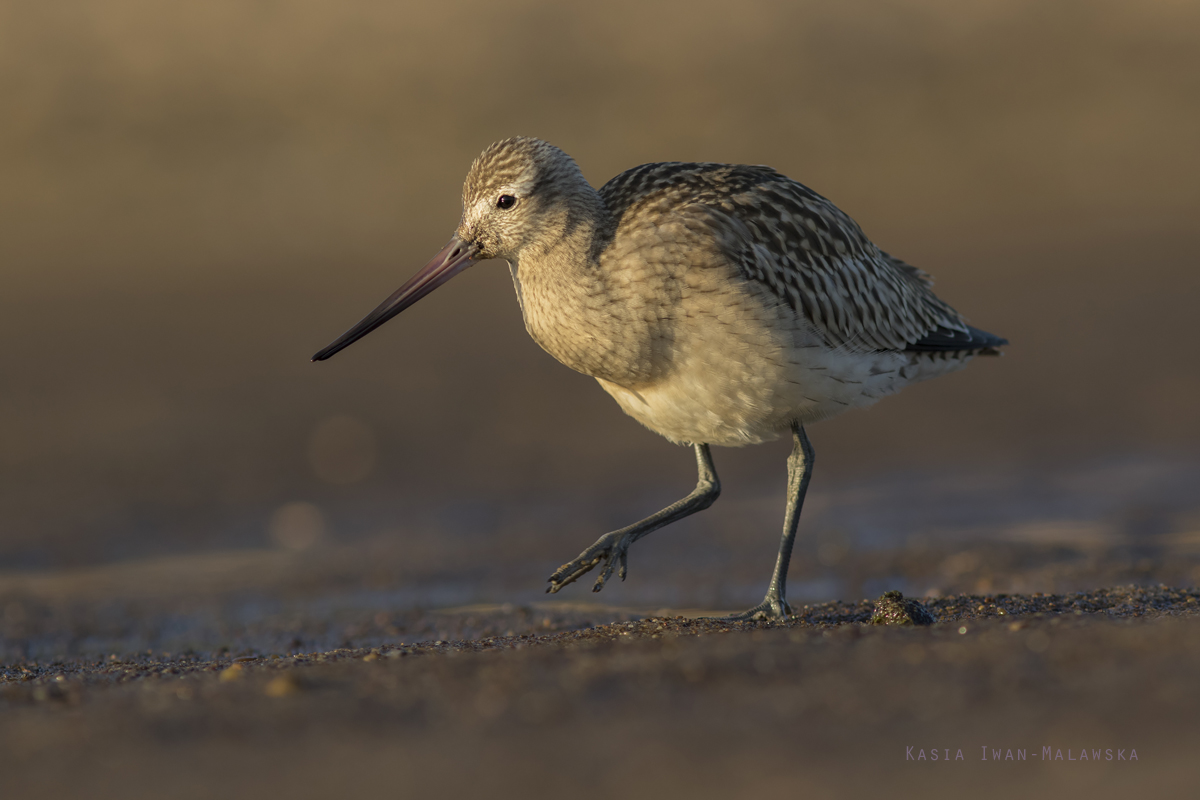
column 194, row 198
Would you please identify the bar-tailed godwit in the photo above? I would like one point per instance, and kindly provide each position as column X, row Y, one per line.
column 717, row 304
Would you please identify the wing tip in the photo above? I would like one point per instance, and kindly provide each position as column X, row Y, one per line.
column 943, row 340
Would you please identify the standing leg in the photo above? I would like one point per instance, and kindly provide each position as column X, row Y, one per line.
column 611, row 548
column 800, row 462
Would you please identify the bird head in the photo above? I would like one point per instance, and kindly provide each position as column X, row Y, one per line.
column 520, row 192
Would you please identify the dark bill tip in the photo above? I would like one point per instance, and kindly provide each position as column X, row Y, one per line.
column 451, row 260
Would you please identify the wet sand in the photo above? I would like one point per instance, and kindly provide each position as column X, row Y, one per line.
column 281, row 680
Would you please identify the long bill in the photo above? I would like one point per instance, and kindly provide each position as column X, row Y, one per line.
column 451, row 260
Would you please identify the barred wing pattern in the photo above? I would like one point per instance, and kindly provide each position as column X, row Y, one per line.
column 801, row 247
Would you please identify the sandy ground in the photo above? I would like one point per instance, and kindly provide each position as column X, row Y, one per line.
column 275, row 672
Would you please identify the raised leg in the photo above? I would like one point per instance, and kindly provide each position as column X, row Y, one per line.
column 800, row 462
column 611, row 548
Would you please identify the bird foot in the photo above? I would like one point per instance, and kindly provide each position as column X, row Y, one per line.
column 611, row 548
column 771, row 609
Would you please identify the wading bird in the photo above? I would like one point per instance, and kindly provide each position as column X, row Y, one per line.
column 718, row 304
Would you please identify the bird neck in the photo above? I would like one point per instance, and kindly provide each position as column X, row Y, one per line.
column 572, row 306
column 576, row 221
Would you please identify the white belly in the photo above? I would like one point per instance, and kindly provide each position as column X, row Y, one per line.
column 735, row 393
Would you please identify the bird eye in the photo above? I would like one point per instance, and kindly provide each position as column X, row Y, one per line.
column 506, row 201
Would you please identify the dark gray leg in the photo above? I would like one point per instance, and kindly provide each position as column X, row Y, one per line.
column 800, row 462
column 611, row 548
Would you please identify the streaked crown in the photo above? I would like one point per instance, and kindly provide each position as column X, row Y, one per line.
column 520, row 190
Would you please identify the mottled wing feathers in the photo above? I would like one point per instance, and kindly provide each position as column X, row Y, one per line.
column 800, row 246
column 920, row 274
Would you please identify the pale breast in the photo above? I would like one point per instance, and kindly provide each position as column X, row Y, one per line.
column 744, row 366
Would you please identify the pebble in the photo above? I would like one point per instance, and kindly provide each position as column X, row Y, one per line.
column 282, row 686
column 893, row 608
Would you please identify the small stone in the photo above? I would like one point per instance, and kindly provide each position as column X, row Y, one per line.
column 232, row 673
column 894, row 609
column 282, row 686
